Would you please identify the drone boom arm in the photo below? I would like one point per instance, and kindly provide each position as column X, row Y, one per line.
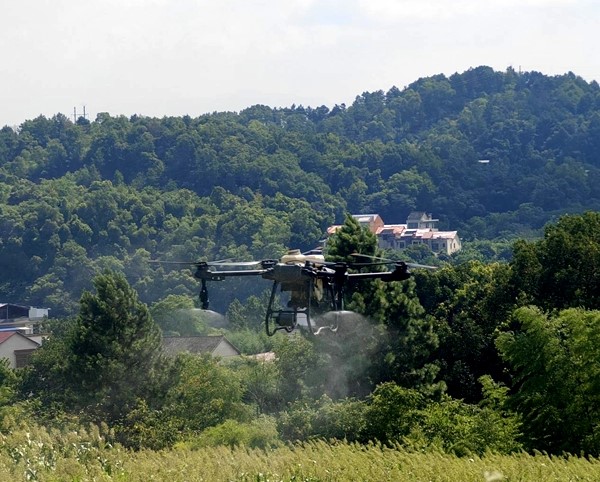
column 209, row 275
column 401, row 273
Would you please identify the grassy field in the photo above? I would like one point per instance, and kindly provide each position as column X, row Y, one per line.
column 38, row 459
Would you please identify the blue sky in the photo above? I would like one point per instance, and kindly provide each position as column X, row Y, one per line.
column 176, row 57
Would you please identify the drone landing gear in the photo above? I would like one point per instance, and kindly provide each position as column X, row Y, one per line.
column 204, row 302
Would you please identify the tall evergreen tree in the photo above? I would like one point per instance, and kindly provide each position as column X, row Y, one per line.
column 398, row 339
column 110, row 358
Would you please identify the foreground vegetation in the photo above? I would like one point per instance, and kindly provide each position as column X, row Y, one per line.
column 464, row 369
column 466, row 361
column 38, row 455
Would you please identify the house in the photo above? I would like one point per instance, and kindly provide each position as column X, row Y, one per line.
column 16, row 348
column 199, row 345
column 420, row 228
column 440, row 242
column 22, row 318
column 421, row 220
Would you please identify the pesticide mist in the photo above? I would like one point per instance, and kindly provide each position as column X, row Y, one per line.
column 209, row 318
column 349, row 351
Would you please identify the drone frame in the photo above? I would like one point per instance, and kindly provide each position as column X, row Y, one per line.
column 302, row 281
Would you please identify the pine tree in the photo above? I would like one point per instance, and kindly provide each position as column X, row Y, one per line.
column 115, row 348
column 108, row 360
column 397, row 342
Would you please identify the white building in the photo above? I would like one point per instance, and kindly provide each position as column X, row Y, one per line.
column 420, row 228
column 16, row 348
column 21, row 318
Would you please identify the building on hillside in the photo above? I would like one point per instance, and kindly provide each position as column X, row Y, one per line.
column 217, row 346
column 371, row 221
column 420, row 228
column 21, row 318
column 16, row 348
column 421, row 220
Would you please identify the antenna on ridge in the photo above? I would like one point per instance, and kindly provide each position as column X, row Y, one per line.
column 75, row 117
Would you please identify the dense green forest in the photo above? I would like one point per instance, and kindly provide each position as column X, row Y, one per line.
column 494, row 351
column 76, row 198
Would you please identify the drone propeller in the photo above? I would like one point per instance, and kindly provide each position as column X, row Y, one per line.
column 235, row 263
column 219, row 263
column 188, row 263
column 380, row 260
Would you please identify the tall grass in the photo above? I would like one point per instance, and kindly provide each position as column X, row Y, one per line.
column 42, row 455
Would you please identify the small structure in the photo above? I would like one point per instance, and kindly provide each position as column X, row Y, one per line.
column 16, row 348
column 22, row 318
column 217, row 346
column 421, row 220
column 265, row 357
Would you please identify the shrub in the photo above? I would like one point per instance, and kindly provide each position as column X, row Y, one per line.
column 259, row 433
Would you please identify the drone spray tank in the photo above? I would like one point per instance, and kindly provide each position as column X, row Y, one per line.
column 293, row 274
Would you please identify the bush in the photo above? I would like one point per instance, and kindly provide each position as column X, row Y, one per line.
column 259, row 433
column 326, row 419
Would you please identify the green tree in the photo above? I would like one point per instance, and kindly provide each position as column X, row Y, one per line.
column 556, row 378
column 351, row 238
column 560, row 270
column 392, row 411
column 203, row 394
column 108, row 360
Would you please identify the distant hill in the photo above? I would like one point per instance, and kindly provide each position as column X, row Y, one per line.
column 79, row 197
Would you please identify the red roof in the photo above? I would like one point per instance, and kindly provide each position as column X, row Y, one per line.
column 5, row 335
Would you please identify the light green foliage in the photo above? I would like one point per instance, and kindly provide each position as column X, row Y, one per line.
column 392, row 412
column 462, row 429
column 9, row 379
column 299, row 366
column 259, row 433
column 260, row 382
column 50, row 456
column 203, row 394
column 323, row 418
column 554, row 362
column 250, row 341
column 396, row 414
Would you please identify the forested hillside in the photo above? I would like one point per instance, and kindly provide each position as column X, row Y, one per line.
column 496, row 350
column 79, row 197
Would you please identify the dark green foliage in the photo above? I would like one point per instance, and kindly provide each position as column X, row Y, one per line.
column 351, row 238
column 76, row 197
column 562, row 269
column 395, row 339
column 554, row 360
column 108, row 359
column 469, row 302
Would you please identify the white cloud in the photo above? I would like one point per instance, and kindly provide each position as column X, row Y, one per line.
column 159, row 57
column 389, row 11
